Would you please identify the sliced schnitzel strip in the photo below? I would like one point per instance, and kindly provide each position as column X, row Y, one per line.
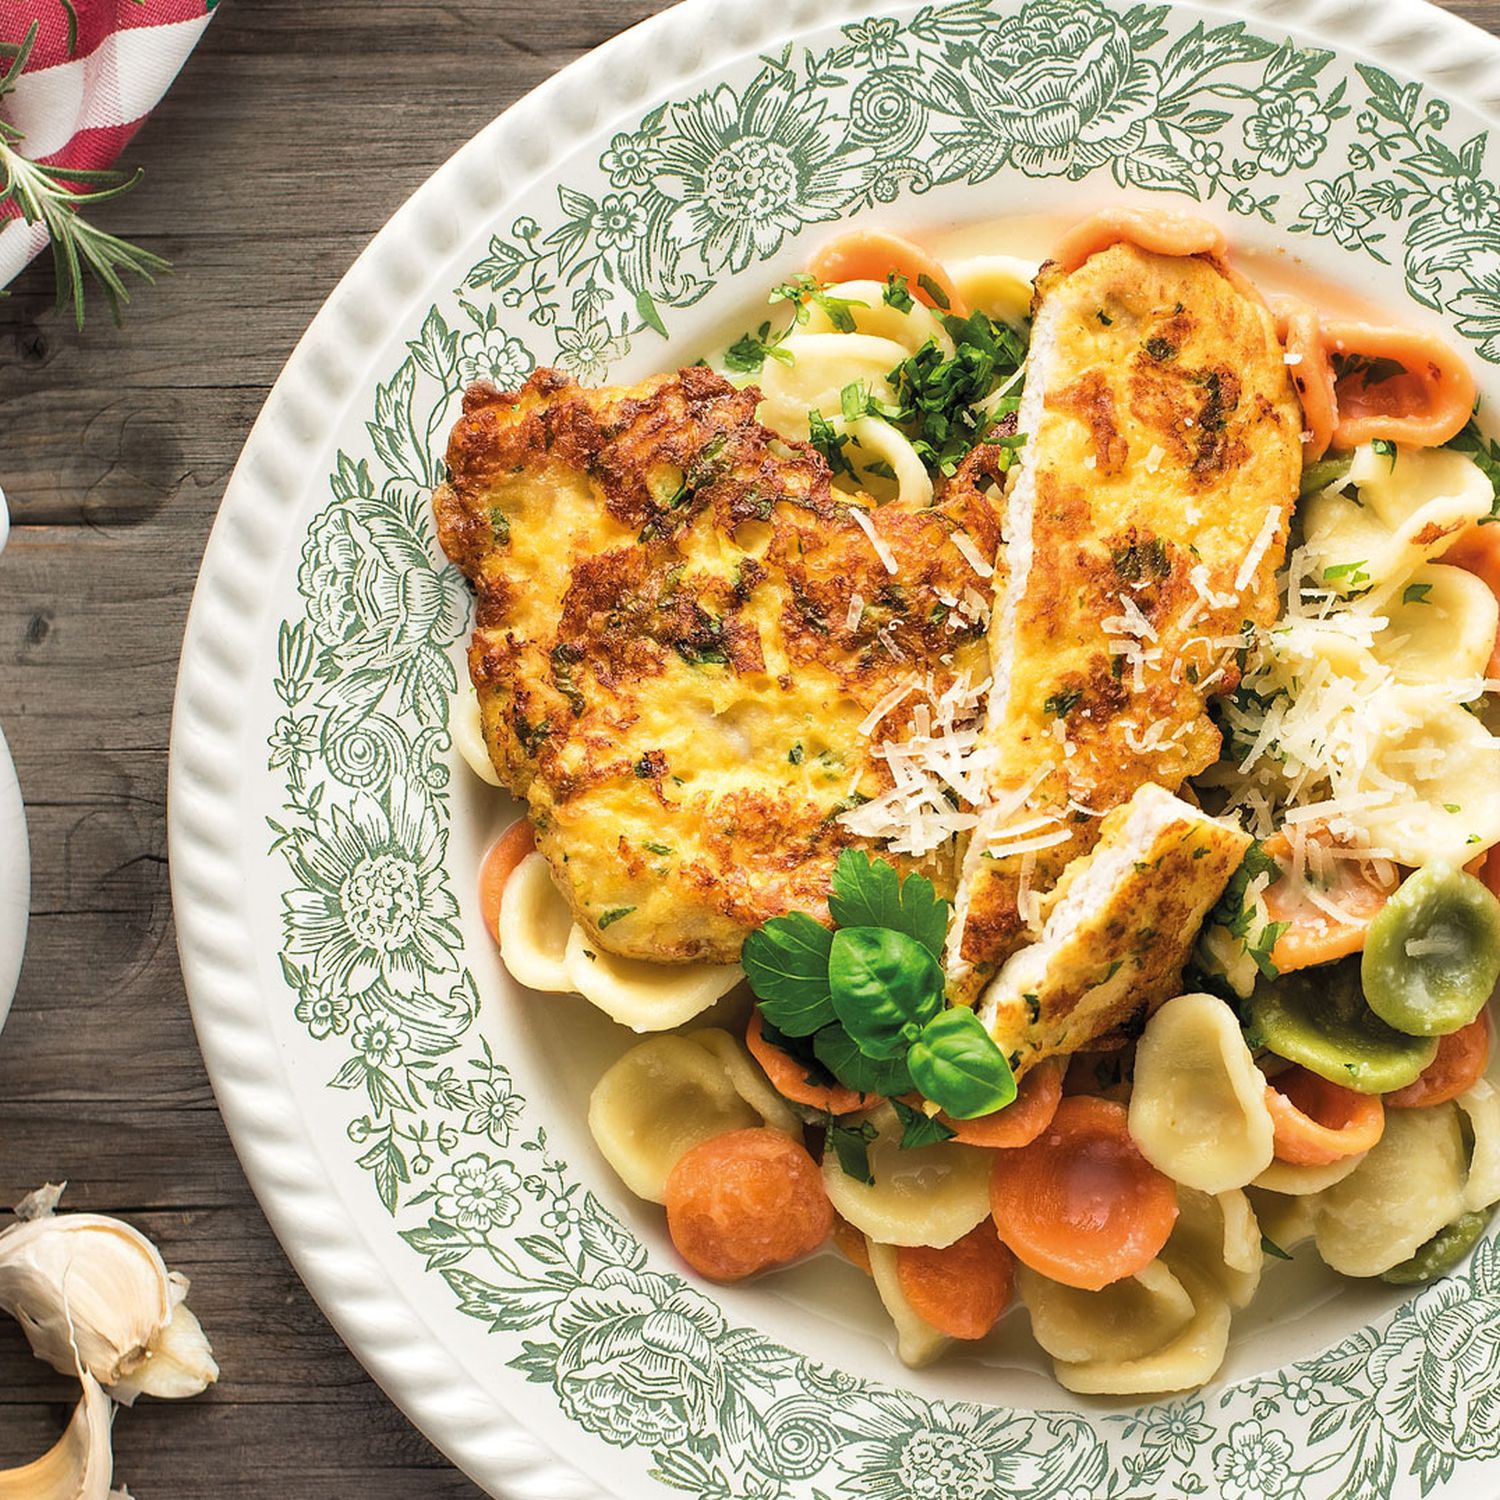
column 689, row 649
column 1144, row 527
column 1121, row 924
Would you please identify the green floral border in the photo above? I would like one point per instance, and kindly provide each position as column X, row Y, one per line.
column 700, row 188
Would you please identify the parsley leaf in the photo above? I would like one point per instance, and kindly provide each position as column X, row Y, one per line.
column 613, row 915
column 933, row 290
column 1387, row 450
column 786, row 962
column 750, row 351
column 938, row 398
column 841, row 1055
column 805, row 290
column 851, row 1144
column 1272, row 1248
column 918, row 1128
column 1060, row 705
column 829, row 441
column 1472, row 442
column 1260, row 949
column 1416, row 593
column 897, row 293
column 1232, row 910
column 868, row 892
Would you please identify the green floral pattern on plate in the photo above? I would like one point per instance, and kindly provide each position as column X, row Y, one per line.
column 698, row 189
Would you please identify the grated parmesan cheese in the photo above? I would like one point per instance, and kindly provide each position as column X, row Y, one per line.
column 856, row 612
column 866, row 525
column 1258, row 549
column 972, row 555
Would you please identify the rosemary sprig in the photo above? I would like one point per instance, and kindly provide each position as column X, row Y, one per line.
column 52, row 196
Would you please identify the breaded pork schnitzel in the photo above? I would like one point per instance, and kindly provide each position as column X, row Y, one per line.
column 1143, row 528
column 682, row 630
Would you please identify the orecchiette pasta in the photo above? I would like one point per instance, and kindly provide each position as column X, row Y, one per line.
column 545, row 949
column 1409, row 508
column 918, row 1343
column 1284, row 1220
column 534, row 927
column 1441, row 627
column 999, row 285
column 1409, row 1185
column 1295, row 1181
column 1188, row 1359
column 1217, row 1235
column 873, row 315
column 1482, row 1184
column 932, row 1195
column 669, row 1094
column 1123, row 1321
column 1447, row 766
column 467, row 732
column 1198, row 1109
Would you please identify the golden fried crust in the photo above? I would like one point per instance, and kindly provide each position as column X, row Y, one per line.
column 1116, row 954
column 1164, row 436
column 667, row 664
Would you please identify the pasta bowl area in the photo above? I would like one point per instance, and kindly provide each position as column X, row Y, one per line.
column 1002, row 745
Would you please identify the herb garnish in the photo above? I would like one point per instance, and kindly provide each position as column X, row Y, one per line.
column 51, row 196
column 871, row 996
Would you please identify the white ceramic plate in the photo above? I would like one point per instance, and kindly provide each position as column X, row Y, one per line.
column 412, row 1122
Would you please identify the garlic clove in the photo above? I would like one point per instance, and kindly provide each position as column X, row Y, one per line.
column 178, row 1363
column 93, row 1292
column 80, row 1465
column 87, row 1280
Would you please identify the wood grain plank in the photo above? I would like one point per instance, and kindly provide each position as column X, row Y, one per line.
column 293, row 133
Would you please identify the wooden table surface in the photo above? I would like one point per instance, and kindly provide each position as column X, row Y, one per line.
column 295, row 130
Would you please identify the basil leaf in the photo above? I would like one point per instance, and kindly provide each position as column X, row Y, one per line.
column 851, row 1144
column 919, row 1128
column 840, row 1054
column 869, row 893
column 786, row 962
column 957, row 1065
column 885, row 987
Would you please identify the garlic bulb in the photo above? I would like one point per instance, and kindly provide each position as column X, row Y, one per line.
column 80, row 1465
column 93, row 1293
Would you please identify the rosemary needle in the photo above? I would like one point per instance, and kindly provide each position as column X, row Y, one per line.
column 52, row 195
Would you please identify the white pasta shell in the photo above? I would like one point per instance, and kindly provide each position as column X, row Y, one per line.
column 1482, row 1185
column 667, row 1095
column 1198, row 1109
column 1189, row 1359
column 1120, row 1322
column 1216, row 1235
column 933, row 1195
column 1407, row 1187
column 641, row 995
column 535, row 924
column 918, row 1343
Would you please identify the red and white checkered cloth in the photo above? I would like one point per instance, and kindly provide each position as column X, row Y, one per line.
column 80, row 107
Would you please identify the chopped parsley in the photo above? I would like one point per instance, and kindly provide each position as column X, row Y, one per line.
column 806, row 291
column 613, row 915
column 750, row 351
column 938, row 397
column 1416, row 593
column 897, row 293
column 933, row 290
column 829, row 441
column 1060, row 705
column 1386, row 449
